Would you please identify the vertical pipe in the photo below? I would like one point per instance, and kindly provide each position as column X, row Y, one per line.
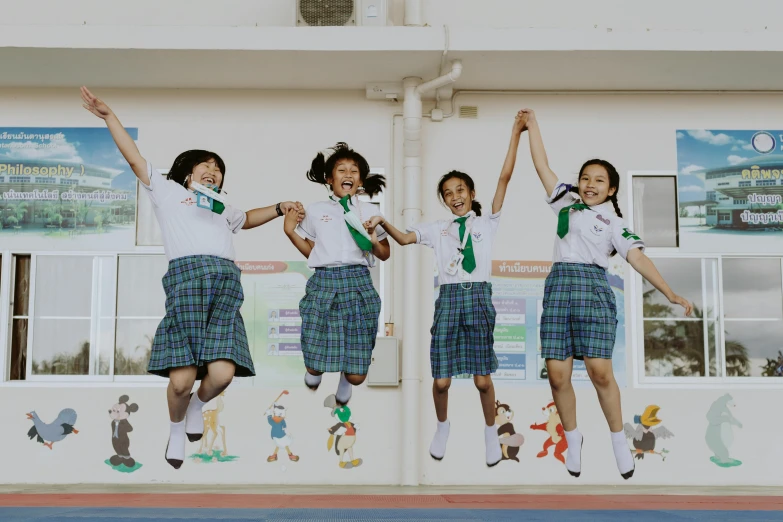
column 413, row 13
column 411, row 212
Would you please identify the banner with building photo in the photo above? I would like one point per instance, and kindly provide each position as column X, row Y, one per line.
column 730, row 185
column 65, row 189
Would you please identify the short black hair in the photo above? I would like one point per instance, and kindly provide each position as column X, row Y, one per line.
column 185, row 163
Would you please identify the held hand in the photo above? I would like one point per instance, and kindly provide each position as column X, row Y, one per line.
column 520, row 122
column 531, row 116
column 94, row 105
column 295, row 206
column 676, row 299
column 291, row 220
column 373, row 222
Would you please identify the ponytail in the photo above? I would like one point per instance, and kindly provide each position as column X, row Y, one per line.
column 476, row 207
column 323, row 165
column 569, row 188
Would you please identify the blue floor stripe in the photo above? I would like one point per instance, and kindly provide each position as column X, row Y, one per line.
column 341, row 515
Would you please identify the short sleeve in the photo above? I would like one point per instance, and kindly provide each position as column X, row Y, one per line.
column 159, row 188
column 235, row 218
column 494, row 223
column 561, row 197
column 426, row 233
column 306, row 228
column 624, row 239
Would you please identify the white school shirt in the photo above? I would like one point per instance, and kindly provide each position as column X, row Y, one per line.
column 443, row 237
column 592, row 233
column 187, row 229
column 325, row 226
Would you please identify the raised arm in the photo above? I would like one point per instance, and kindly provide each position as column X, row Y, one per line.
column 121, row 137
column 520, row 122
column 259, row 216
column 305, row 246
column 537, row 151
column 402, row 238
column 642, row 264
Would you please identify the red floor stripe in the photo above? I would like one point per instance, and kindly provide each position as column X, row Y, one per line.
column 551, row 502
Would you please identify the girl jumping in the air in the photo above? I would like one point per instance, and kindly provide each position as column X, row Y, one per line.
column 202, row 337
column 340, row 308
column 462, row 331
column 579, row 320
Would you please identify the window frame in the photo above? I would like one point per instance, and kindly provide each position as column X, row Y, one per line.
column 636, row 326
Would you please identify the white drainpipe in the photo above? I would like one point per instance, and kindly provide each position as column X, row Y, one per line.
column 413, row 10
column 411, row 212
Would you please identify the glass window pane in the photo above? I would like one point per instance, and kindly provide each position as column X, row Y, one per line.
column 753, row 347
column 147, row 228
column 21, row 285
column 139, row 288
column 134, row 343
column 61, row 347
column 752, row 288
column 673, row 348
column 18, row 363
column 655, row 201
column 684, row 277
column 63, row 286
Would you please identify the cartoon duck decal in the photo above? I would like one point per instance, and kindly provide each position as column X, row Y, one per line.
column 275, row 415
column 555, row 430
column 510, row 440
column 342, row 435
column 48, row 434
column 645, row 436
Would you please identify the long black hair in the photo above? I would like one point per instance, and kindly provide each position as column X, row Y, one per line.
column 614, row 182
column 185, row 163
column 476, row 206
column 321, row 169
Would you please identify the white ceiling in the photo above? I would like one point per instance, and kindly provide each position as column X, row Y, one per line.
column 513, row 70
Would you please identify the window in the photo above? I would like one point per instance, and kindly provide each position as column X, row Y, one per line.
column 84, row 316
column 656, row 215
column 736, row 330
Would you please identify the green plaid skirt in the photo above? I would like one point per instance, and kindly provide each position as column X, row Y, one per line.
column 463, row 331
column 339, row 313
column 580, row 315
column 202, row 322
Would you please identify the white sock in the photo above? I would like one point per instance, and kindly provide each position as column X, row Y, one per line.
column 574, row 455
column 194, row 421
column 622, row 453
column 344, row 390
column 438, row 446
column 494, row 453
column 176, row 449
column 312, row 380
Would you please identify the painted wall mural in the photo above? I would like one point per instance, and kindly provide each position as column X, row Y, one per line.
column 56, row 431
column 647, row 433
column 214, row 429
column 275, row 415
column 342, row 436
column 121, row 427
column 510, row 440
column 720, row 431
column 554, row 429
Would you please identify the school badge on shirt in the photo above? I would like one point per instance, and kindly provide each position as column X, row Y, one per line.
column 326, row 218
column 477, row 237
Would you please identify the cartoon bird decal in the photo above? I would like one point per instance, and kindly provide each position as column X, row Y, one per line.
column 342, row 435
column 644, row 436
column 48, row 434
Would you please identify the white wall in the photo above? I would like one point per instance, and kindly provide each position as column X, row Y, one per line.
column 694, row 15
column 268, row 140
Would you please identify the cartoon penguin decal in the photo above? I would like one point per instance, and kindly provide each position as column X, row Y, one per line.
column 342, row 435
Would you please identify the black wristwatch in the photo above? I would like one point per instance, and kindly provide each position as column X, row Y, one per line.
column 277, row 209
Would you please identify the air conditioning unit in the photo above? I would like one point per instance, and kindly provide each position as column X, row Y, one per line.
column 339, row 13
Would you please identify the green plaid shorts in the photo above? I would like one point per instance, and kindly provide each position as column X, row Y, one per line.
column 339, row 313
column 202, row 322
column 580, row 314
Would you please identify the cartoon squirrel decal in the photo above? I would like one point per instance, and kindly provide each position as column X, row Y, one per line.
column 555, row 430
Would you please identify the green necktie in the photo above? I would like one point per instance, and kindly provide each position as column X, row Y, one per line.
column 563, row 218
column 469, row 261
column 362, row 240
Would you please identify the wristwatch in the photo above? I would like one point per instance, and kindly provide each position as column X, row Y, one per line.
column 277, row 209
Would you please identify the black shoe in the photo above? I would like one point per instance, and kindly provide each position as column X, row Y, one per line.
column 175, row 463
column 577, row 473
column 628, row 474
